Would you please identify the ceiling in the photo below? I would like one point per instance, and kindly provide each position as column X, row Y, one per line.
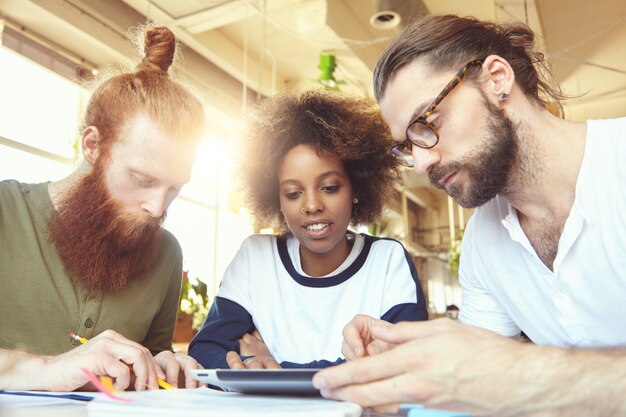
column 265, row 46
column 274, row 45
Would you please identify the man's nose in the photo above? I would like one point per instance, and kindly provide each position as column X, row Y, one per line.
column 156, row 205
column 423, row 159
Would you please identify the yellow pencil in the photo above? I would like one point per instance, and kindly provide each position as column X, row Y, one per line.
column 82, row 340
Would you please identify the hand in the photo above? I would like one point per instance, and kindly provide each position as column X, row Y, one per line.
column 110, row 354
column 176, row 366
column 439, row 363
column 256, row 362
column 252, row 344
column 358, row 340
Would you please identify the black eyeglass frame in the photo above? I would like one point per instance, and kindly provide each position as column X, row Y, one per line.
column 458, row 77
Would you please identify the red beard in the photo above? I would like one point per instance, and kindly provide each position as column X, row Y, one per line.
column 103, row 248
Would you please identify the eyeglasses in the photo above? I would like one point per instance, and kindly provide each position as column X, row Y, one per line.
column 420, row 132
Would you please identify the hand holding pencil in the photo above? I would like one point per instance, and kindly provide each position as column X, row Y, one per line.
column 111, row 354
column 160, row 381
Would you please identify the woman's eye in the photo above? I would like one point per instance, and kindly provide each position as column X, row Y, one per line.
column 330, row 188
column 292, row 195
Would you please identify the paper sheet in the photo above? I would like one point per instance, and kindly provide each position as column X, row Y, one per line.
column 41, row 398
column 206, row 402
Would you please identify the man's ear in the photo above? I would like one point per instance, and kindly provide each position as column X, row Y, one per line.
column 501, row 77
column 91, row 144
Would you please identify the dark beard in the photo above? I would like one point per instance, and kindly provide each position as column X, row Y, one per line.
column 102, row 247
column 487, row 168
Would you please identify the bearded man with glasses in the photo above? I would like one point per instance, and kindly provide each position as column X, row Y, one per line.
column 542, row 254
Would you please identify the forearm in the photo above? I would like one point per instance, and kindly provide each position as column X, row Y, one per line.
column 546, row 381
column 591, row 382
column 225, row 324
column 210, row 355
column 447, row 365
column 22, row 371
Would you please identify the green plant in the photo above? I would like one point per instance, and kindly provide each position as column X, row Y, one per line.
column 454, row 254
column 194, row 299
column 327, row 65
column 377, row 229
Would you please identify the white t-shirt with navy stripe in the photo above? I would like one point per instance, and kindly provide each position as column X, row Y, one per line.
column 301, row 318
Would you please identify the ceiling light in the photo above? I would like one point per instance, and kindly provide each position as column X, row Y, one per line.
column 386, row 19
column 387, row 15
column 390, row 14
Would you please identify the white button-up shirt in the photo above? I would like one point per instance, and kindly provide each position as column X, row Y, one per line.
column 582, row 302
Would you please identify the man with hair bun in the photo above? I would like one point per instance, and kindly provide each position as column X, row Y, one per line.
column 87, row 254
column 470, row 105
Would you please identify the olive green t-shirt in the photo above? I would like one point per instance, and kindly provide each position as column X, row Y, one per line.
column 40, row 305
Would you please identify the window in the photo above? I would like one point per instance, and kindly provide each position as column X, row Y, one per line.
column 41, row 113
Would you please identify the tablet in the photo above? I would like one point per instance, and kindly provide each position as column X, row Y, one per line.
column 260, row 381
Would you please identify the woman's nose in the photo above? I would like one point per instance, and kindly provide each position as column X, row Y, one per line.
column 312, row 205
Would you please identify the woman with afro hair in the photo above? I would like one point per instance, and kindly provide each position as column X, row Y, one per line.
column 312, row 164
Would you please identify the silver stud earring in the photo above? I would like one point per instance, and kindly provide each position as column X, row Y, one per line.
column 504, row 97
column 355, row 200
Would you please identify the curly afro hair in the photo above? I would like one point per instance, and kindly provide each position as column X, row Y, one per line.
column 347, row 126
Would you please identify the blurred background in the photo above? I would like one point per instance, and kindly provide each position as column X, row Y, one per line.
column 237, row 52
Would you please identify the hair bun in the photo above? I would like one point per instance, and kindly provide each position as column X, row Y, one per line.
column 159, row 49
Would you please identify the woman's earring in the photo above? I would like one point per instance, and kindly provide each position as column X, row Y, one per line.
column 504, row 97
column 355, row 200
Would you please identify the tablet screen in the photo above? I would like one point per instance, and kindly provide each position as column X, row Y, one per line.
column 260, row 381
